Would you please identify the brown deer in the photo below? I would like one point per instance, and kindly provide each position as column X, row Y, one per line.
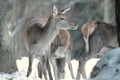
column 60, row 52
column 98, row 37
column 37, row 38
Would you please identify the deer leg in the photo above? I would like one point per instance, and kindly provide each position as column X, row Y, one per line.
column 45, row 73
column 83, row 70
column 78, row 71
column 34, row 73
column 61, row 67
column 44, row 67
column 68, row 59
column 48, row 64
column 40, row 69
column 31, row 56
column 86, row 45
column 53, row 62
column 49, row 69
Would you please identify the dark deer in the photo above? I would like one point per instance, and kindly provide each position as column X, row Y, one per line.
column 60, row 52
column 98, row 37
column 37, row 38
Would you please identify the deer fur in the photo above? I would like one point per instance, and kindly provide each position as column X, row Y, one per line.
column 97, row 35
column 87, row 30
column 37, row 38
column 60, row 52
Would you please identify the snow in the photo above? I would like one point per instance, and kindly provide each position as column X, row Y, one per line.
column 88, row 67
column 6, row 76
column 22, row 65
column 109, row 66
column 21, row 73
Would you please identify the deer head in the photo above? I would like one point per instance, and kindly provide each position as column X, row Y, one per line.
column 61, row 21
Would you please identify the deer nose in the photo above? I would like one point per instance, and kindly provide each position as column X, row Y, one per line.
column 74, row 27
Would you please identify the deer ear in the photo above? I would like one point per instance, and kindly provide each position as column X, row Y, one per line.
column 55, row 10
column 65, row 10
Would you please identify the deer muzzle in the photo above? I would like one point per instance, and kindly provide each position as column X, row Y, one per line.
column 74, row 27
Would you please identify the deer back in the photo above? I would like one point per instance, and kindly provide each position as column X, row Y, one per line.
column 33, row 29
column 103, row 35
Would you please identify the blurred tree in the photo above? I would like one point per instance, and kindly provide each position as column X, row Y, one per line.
column 2, row 16
column 4, row 53
column 107, row 10
column 117, row 12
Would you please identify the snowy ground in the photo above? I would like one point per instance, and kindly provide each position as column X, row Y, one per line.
column 108, row 68
column 88, row 67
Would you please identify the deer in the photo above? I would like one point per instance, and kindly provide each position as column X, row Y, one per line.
column 98, row 37
column 37, row 38
column 60, row 52
column 62, row 40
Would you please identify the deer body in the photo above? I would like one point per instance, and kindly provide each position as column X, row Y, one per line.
column 60, row 44
column 41, row 44
column 37, row 38
column 60, row 52
column 100, row 35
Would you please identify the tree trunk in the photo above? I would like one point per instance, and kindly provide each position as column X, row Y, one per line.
column 117, row 13
column 2, row 15
column 107, row 11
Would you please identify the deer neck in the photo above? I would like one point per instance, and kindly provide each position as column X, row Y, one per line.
column 50, row 31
